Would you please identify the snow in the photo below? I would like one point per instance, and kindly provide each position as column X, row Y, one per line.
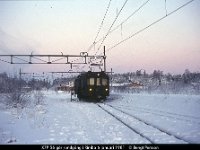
column 62, row 121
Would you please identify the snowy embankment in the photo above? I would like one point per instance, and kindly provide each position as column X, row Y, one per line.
column 62, row 121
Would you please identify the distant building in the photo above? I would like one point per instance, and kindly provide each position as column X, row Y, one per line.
column 66, row 86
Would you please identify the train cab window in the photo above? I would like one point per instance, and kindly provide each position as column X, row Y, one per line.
column 104, row 82
column 98, row 82
column 90, row 81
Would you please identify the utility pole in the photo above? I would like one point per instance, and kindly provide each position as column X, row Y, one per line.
column 20, row 74
column 111, row 78
column 104, row 58
column 20, row 79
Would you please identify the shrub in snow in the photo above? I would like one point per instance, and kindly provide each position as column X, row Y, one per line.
column 12, row 140
column 17, row 98
column 38, row 97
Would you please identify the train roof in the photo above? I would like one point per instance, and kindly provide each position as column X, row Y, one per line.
column 90, row 73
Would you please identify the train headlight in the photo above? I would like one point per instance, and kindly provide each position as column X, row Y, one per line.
column 90, row 89
column 106, row 89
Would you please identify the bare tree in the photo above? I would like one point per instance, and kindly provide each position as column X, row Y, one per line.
column 16, row 96
column 38, row 97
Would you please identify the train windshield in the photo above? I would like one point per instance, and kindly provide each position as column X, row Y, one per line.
column 90, row 81
column 104, row 82
column 98, row 82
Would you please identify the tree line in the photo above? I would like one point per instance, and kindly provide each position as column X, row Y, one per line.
column 157, row 81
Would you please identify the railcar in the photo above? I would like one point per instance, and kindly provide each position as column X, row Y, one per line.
column 92, row 86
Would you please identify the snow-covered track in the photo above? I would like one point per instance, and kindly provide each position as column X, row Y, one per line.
column 186, row 118
column 127, row 125
column 142, row 127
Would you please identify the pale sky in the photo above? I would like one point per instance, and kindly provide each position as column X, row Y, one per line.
column 70, row 26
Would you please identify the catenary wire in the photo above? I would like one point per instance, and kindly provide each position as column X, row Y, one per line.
column 155, row 22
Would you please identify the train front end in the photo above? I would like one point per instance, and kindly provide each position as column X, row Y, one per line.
column 98, row 85
column 92, row 86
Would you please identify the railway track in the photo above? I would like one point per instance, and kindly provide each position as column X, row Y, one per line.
column 185, row 118
column 143, row 128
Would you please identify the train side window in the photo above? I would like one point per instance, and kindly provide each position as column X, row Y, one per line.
column 104, row 82
column 98, row 82
column 90, row 81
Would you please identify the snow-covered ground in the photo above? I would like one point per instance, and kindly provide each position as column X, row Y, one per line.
column 122, row 119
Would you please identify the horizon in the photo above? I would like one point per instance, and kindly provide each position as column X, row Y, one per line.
column 65, row 74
